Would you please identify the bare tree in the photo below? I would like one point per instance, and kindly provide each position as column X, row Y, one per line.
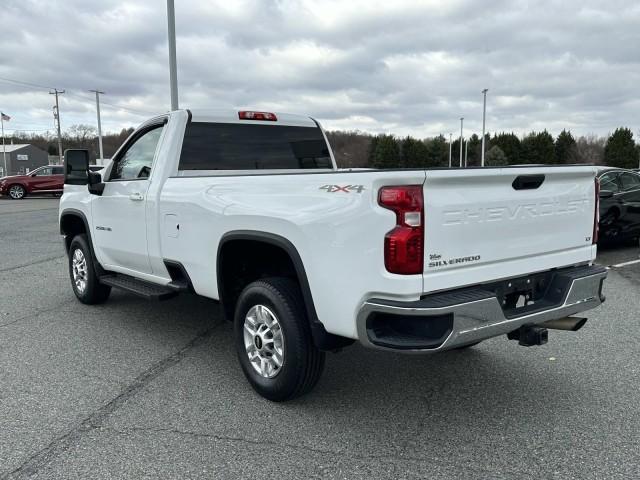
column 590, row 149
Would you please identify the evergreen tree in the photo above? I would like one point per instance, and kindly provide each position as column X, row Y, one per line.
column 566, row 148
column 387, row 152
column 495, row 157
column 537, row 148
column 620, row 150
column 473, row 150
column 510, row 145
column 546, row 148
column 437, row 152
column 414, row 153
column 371, row 154
column 528, row 152
column 455, row 153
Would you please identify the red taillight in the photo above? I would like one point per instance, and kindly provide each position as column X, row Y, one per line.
column 404, row 245
column 249, row 115
column 596, row 215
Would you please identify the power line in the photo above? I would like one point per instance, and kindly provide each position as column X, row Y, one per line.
column 113, row 105
column 29, row 130
column 19, row 126
column 29, row 84
column 78, row 96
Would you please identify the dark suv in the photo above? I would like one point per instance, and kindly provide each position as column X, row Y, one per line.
column 619, row 204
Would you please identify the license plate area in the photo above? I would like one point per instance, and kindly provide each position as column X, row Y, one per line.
column 523, row 295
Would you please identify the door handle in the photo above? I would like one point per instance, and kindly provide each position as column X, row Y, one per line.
column 136, row 197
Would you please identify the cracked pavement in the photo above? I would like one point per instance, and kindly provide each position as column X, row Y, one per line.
column 132, row 389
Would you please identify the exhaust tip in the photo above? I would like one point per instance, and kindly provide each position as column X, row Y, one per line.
column 570, row 324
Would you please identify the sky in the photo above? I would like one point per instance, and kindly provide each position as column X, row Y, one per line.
column 400, row 67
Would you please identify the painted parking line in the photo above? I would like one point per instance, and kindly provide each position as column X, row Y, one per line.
column 625, row 264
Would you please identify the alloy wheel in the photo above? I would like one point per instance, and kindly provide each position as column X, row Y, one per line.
column 79, row 269
column 264, row 341
column 16, row 192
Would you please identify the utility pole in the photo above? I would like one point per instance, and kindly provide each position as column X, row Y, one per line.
column 461, row 123
column 484, row 116
column 5, row 173
column 56, row 117
column 98, row 92
column 173, row 69
column 450, row 145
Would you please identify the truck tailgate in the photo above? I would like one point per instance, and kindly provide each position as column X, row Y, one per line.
column 492, row 223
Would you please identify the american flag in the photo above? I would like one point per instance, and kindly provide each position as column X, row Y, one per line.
column 5, row 117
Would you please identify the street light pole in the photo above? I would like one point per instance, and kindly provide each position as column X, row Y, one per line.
column 461, row 123
column 173, row 69
column 450, row 145
column 98, row 92
column 484, row 116
column 466, row 153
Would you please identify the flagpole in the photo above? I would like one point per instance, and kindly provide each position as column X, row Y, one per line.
column 4, row 149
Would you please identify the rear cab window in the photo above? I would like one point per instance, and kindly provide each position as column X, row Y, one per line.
column 233, row 146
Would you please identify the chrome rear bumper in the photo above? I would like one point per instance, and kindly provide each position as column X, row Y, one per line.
column 473, row 314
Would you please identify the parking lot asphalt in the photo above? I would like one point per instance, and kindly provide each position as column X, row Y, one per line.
column 133, row 389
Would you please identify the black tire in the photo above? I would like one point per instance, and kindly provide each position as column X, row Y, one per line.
column 19, row 190
column 94, row 292
column 303, row 362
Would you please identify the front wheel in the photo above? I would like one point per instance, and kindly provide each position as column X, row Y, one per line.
column 84, row 279
column 273, row 340
column 17, row 192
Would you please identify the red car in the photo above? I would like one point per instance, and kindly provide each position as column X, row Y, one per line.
column 48, row 179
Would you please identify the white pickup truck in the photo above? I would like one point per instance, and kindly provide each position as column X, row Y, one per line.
column 248, row 208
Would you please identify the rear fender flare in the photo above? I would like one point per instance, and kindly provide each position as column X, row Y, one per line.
column 322, row 339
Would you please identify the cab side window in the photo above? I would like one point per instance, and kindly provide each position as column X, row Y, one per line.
column 609, row 182
column 58, row 171
column 136, row 161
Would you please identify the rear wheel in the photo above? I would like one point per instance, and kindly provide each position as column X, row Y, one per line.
column 84, row 279
column 273, row 340
column 17, row 192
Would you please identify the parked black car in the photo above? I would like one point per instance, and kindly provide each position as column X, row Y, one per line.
column 619, row 204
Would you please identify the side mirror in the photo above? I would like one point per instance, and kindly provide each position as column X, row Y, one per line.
column 606, row 194
column 96, row 187
column 76, row 167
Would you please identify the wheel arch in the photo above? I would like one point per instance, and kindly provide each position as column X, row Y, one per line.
column 74, row 222
column 20, row 184
column 322, row 339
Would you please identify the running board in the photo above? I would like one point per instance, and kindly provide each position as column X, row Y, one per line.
column 148, row 290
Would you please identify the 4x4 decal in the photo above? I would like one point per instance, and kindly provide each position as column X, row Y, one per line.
column 343, row 188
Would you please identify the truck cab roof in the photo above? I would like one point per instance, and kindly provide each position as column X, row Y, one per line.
column 233, row 116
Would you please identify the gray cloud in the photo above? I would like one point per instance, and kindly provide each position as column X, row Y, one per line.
column 402, row 67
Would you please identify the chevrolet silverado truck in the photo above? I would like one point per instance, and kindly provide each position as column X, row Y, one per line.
column 248, row 208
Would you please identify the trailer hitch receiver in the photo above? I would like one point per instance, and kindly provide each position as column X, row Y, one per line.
column 529, row 335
